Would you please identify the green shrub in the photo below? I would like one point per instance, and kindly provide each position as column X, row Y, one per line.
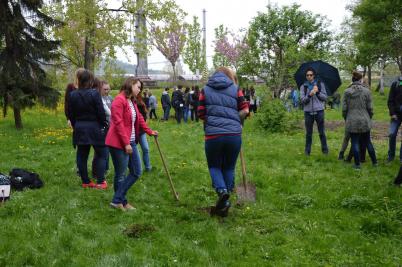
column 273, row 117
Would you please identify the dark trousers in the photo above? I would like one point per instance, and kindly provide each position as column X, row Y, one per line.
column 152, row 112
column 194, row 114
column 362, row 139
column 393, row 132
column 166, row 111
column 100, row 157
column 309, row 119
column 222, row 153
column 178, row 114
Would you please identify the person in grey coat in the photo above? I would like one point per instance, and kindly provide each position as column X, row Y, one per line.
column 313, row 96
column 357, row 110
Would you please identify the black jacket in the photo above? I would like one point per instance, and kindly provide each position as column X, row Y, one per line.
column 87, row 116
column 177, row 98
column 165, row 99
column 395, row 99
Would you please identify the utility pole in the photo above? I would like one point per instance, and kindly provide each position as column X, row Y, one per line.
column 141, row 70
column 204, row 40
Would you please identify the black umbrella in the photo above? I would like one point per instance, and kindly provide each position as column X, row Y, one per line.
column 326, row 73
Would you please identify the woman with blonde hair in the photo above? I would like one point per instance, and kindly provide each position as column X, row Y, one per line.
column 222, row 106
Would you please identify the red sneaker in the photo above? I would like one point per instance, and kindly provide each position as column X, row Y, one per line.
column 89, row 185
column 102, row 186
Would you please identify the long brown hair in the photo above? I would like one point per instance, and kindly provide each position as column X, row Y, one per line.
column 140, row 101
column 128, row 84
column 85, row 79
column 228, row 72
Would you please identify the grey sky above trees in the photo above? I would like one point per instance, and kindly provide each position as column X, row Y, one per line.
column 235, row 16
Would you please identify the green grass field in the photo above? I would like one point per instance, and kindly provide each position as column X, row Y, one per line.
column 310, row 211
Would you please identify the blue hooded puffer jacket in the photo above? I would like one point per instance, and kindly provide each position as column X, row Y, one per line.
column 222, row 116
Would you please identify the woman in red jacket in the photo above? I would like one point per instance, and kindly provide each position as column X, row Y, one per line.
column 122, row 138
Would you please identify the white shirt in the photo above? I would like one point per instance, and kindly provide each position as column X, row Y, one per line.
column 133, row 115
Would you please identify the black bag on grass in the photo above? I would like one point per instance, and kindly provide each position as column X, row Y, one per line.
column 21, row 178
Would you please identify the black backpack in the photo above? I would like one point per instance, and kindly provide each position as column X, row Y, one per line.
column 21, row 179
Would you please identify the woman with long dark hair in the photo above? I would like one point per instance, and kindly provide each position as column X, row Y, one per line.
column 88, row 119
column 125, row 125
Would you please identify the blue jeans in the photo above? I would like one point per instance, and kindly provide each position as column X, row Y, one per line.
column 166, row 111
column 145, row 151
column 309, row 123
column 364, row 140
column 122, row 161
column 222, row 153
column 185, row 113
column 393, row 133
column 99, row 162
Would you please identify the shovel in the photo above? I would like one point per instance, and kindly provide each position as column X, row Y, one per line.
column 246, row 190
column 175, row 195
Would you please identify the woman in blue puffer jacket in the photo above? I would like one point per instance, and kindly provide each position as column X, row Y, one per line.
column 221, row 106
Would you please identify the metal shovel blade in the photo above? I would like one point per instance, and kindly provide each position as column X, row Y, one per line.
column 246, row 191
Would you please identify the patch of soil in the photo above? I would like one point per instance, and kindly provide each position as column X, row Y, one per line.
column 378, row 132
column 138, row 230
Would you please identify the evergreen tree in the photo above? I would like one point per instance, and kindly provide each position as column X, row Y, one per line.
column 24, row 51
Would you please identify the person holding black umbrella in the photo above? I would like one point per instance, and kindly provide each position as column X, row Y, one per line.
column 313, row 96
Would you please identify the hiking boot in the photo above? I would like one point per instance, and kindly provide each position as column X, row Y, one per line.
column 102, row 185
column 89, row 185
column 223, row 196
column 224, row 212
column 118, row 206
column 129, row 207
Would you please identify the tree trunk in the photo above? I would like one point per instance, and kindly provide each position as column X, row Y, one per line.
column 369, row 75
column 382, row 65
column 174, row 73
column 88, row 55
column 399, row 62
column 5, row 105
column 17, row 117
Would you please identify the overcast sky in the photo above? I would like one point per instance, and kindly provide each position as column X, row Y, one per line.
column 237, row 14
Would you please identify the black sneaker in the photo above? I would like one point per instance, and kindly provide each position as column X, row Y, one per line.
column 223, row 196
column 341, row 155
column 225, row 211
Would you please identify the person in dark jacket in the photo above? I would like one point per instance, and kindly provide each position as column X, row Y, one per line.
column 166, row 105
column 195, row 103
column 395, row 111
column 178, row 103
column 88, row 119
column 222, row 106
column 357, row 110
column 313, row 96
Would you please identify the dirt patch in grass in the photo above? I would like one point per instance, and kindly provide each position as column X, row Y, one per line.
column 138, row 230
column 378, row 132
